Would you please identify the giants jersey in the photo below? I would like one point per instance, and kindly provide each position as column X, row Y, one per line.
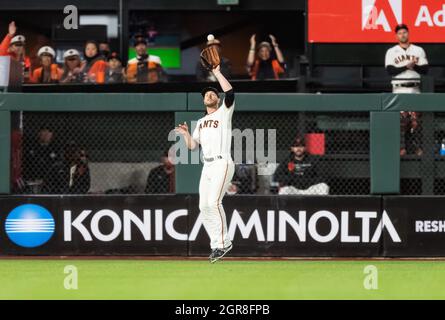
column 399, row 57
column 214, row 132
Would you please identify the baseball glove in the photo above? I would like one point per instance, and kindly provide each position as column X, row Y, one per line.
column 210, row 58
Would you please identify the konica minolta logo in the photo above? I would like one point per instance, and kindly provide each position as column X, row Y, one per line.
column 157, row 224
column 29, row 226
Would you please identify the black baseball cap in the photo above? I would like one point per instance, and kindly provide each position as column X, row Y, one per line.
column 299, row 142
column 206, row 89
column 114, row 55
column 400, row 27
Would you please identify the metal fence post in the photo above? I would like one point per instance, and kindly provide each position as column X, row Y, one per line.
column 385, row 152
column 5, row 152
column 187, row 175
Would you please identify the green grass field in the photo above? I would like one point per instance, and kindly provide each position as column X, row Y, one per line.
column 193, row 279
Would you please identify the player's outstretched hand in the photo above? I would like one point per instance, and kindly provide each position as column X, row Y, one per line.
column 273, row 39
column 253, row 41
column 182, row 128
column 12, row 29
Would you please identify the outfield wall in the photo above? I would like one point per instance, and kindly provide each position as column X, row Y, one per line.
column 266, row 226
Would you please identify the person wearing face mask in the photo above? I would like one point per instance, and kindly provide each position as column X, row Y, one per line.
column 263, row 66
column 94, row 64
column 144, row 68
column 14, row 46
column 48, row 72
column 72, row 71
column 104, row 49
column 115, row 72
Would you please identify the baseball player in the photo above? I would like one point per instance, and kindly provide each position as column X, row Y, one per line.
column 214, row 133
column 406, row 62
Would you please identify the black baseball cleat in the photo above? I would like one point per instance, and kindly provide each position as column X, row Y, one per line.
column 219, row 253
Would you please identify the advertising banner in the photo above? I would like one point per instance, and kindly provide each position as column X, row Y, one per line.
column 421, row 223
column 293, row 226
column 365, row 21
column 94, row 225
column 170, row 225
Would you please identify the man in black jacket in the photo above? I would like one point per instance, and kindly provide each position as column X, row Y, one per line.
column 299, row 173
column 162, row 178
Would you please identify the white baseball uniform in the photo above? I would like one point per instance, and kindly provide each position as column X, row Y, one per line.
column 400, row 57
column 214, row 133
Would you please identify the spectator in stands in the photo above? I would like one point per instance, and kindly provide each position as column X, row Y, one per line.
column 264, row 66
column 39, row 156
column 202, row 74
column 115, row 71
column 49, row 72
column 410, row 133
column 298, row 175
column 94, row 64
column 72, row 71
column 144, row 68
column 14, row 46
column 162, row 178
column 72, row 174
column 104, row 49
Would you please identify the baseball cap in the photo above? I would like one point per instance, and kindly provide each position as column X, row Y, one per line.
column 46, row 50
column 265, row 44
column 140, row 40
column 299, row 142
column 206, row 89
column 114, row 55
column 400, row 27
column 18, row 39
column 71, row 53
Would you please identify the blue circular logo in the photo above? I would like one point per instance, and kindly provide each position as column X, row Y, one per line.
column 29, row 225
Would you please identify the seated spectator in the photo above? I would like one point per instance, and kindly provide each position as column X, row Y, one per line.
column 298, row 175
column 202, row 74
column 244, row 180
column 115, row 71
column 264, row 67
column 49, row 72
column 71, row 175
column 39, row 155
column 410, row 133
column 14, row 46
column 162, row 178
column 94, row 64
column 104, row 49
column 144, row 68
column 72, row 71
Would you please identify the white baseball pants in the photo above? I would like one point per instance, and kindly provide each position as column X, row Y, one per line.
column 215, row 179
column 405, row 90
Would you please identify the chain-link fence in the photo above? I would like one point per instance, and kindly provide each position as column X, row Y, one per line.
column 422, row 153
column 118, row 152
column 316, row 153
column 94, row 152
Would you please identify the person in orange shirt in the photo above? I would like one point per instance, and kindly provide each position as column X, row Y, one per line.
column 49, row 72
column 14, row 46
column 72, row 72
column 264, row 67
column 144, row 68
column 95, row 64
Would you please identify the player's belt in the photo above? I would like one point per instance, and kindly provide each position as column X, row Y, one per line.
column 407, row 84
column 212, row 158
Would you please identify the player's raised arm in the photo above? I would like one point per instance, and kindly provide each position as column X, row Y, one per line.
column 225, row 86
